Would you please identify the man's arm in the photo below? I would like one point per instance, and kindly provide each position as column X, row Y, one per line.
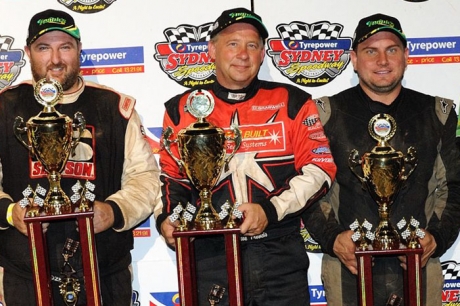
column 140, row 184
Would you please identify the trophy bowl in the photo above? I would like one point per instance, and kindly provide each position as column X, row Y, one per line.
column 385, row 171
column 51, row 137
column 203, row 154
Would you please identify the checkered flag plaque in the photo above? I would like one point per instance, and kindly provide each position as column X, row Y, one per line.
column 181, row 34
column 294, row 31
column 204, row 32
column 5, row 43
column 326, row 31
column 450, row 270
column 188, row 34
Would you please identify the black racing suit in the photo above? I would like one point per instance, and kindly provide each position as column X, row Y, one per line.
column 283, row 164
column 112, row 153
column 431, row 193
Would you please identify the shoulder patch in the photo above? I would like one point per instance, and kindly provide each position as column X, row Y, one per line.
column 126, row 105
column 324, row 109
column 443, row 107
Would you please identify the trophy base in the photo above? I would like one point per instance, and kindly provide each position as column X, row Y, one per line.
column 186, row 270
column 204, row 222
column 39, row 255
column 412, row 275
column 386, row 243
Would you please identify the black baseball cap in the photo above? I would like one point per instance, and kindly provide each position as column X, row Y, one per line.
column 241, row 14
column 371, row 25
column 51, row 20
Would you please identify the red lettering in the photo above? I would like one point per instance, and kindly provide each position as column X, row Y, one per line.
column 5, row 67
column 450, row 295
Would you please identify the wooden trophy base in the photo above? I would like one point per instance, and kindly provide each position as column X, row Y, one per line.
column 40, row 261
column 185, row 255
column 412, row 275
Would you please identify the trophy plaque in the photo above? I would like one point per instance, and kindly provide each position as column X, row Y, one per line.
column 203, row 156
column 385, row 171
column 51, row 138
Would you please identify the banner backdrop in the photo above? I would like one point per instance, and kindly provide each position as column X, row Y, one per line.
column 154, row 50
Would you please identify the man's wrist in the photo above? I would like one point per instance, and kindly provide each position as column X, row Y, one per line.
column 9, row 214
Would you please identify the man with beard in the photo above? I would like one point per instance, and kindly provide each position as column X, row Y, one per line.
column 123, row 169
column 432, row 192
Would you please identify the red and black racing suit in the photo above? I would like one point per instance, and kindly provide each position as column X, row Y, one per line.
column 283, row 164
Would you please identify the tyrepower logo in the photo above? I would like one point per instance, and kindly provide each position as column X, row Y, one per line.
column 451, row 290
column 310, row 55
column 184, row 56
column 11, row 61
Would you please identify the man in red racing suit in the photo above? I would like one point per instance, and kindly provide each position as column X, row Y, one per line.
column 283, row 164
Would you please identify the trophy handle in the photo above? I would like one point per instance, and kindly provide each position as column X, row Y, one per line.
column 20, row 129
column 236, row 138
column 78, row 125
column 411, row 160
column 354, row 160
column 166, row 144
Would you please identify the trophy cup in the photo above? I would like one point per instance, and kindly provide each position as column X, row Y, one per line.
column 203, row 155
column 385, row 171
column 202, row 149
column 52, row 138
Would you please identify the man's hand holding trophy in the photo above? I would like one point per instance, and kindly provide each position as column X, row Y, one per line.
column 51, row 137
column 385, row 171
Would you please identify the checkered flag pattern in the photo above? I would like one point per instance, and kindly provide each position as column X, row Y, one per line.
column 178, row 209
column 419, row 233
column 190, row 208
column 405, row 234
column 294, row 31
column 77, row 187
column 310, row 121
column 181, row 34
column 40, row 190
column 370, row 235
column 367, row 225
column 75, row 197
column 356, row 236
column 39, row 201
column 236, row 212
column 90, row 196
column 24, row 202
column 451, row 270
column 401, row 223
column 27, row 192
column 5, row 43
column 414, row 223
column 90, row 186
column 354, row 225
column 187, row 216
column 325, row 30
column 222, row 214
column 204, row 32
column 224, row 210
column 173, row 217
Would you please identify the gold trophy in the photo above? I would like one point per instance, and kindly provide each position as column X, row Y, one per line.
column 51, row 138
column 385, row 171
column 203, row 155
column 202, row 149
